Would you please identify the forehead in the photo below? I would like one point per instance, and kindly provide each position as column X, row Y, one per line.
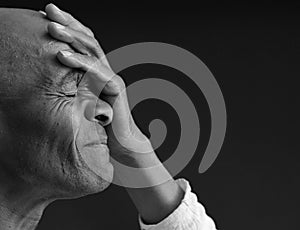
column 28, row 53
column 42, row 47
column 30, row 29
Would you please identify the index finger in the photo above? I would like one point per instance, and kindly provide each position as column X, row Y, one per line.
column 66, row 19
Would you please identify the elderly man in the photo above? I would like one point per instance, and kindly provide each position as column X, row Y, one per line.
column 55, row 130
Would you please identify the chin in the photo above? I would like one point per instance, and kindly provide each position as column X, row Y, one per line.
column 95, row 174
column 81, row 172
column 90, row 182
column 101, row 181
column 81, row 180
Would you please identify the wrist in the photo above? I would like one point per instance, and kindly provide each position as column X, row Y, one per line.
column 144, row 160
column 132, row 157
column 141, row 170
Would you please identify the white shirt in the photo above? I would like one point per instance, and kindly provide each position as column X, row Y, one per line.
column 190, row 214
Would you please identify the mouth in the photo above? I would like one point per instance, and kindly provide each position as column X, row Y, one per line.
column 99, row 147
column 95, row 155
column 102, row 142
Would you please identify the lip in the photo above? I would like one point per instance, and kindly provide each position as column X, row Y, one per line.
column 93, row 144
column 101, row 147
column 102, row 142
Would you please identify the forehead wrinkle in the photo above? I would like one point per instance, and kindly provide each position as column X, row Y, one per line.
column 70, row 75
column 50, row 50
column 49, row 45
column 56, row 45
column 29, row 57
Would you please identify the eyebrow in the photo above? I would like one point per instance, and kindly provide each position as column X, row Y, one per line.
column 72, row 74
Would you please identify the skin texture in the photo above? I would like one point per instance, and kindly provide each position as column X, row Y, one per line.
column 55, row 128
column 41, row 126
column 42, row 139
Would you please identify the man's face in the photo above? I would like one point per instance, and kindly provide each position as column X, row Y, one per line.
column 48, row 138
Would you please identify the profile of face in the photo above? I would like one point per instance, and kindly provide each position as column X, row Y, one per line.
column 48, row 141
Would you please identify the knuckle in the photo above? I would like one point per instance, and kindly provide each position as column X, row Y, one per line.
column 89, row 32
column 72, row 23
column 119, row 82
column 94, row 42
column 69, row 17
column 94, row 63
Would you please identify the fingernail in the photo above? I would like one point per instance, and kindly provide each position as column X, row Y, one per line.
column 65, row 53
column 58, row 26
column 42, row 12
column 55, row 6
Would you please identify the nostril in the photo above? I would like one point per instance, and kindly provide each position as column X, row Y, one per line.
column 103, row 119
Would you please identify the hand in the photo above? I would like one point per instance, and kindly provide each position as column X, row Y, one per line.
column 125, row 138
column 126, row 141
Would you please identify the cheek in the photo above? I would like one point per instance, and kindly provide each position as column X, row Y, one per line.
column 50, row 154
column 95, row 158
column 8, row 144
column 48, row 131
column 22, row 132
column 83, row 130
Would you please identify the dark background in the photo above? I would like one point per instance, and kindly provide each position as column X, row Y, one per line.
column 253, row 52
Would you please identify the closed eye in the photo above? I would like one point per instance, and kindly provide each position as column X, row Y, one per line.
column 80, row 75
column 73, row 94
column 74, row 76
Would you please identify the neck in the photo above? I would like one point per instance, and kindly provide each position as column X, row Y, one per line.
column 11, row 218
column 21, row 207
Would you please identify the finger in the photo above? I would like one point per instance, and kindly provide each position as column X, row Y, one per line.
column 74, row 60
column 94, row 68
column 66, row 19
column 43, row 12
column 86, row 63
column 81, row 42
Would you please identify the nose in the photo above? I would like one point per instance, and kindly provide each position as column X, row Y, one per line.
column 99, row 111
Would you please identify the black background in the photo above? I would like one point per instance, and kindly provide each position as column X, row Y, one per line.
column 253, row 52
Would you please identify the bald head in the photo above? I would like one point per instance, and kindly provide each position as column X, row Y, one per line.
column 51, row 144
column 22, row 31
column 27, row 51
column 43, row 131
column 21, row 21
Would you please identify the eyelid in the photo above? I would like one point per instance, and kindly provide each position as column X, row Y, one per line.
column 70, row 94
column 67, row 94
column 78, row 79
column 80, row 76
